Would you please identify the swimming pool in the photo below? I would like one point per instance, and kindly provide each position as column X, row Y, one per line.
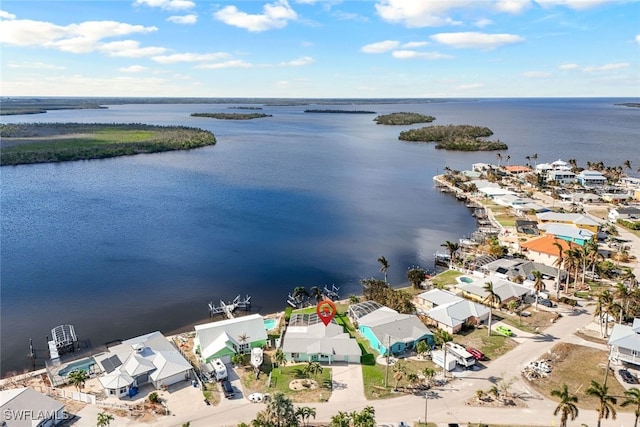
column 465, row 279
column 270, row 324
column 82, row 365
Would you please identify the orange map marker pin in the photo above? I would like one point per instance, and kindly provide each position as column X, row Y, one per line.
column 326, row 310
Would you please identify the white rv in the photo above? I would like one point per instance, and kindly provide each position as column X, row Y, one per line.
column 460, row 354
column 437, row 356
column 217, row 369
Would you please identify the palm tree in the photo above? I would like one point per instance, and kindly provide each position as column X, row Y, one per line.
column 422, row 347
column 77, row 378
column 623, row 293
column 633, row 399
column 491, row 300
column 538, row 284
column 442, row 337
column 299, row 293
column 279, row 359
column 312, row 368
column 399, row 371
column 364, row 418
column 559, row 263
column 384, row 266
column 508, row 158
column 428, row 373
column 104, row 419
column 316, row 293
column 353, row 299
column 416, row 275
column 278, row 413
column 606, row 403
column 341, row 419
column 304, row 413
column 567, row 406
column 499, row 157
column 452, row 248
column 535, row 158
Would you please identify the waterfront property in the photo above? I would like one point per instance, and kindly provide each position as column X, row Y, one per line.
column 624, row 343
column 147, row 359
column 25, row 407
column 225, row 338
column 505, row 289
column 579, row 236
column 574, row 219
column 309, row 340
column 543, row 249
column 388, row 330
column 445, row 310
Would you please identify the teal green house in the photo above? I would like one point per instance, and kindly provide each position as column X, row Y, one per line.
column 389, row 331
column 223, row 339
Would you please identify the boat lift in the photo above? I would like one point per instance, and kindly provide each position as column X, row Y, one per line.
column 228, row 308
column 333, row 293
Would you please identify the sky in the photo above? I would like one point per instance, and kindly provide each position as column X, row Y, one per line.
column 321, row 48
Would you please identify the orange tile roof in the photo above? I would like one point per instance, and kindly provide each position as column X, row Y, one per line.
column 516, row 169
column 545, row 245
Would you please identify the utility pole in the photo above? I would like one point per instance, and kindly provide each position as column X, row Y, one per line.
column 426, row 400
column 386, row 374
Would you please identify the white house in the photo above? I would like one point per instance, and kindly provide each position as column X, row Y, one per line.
column 147, row 359
column 505, row 289
column 589, row 178
column 308, row 339
column 624, row 343
column 225, row 338
column 25, row 407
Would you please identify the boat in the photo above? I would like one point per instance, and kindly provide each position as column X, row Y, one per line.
column 256, row 357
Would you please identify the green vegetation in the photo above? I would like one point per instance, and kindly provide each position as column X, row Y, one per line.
column 281, row 379
column 403, row 119
column 39, row 106
column 26, row 143
column 231, row 116
column 454, row 137
column 492, row 346
column 445, row 278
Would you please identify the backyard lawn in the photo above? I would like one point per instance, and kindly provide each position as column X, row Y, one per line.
column 492, row 346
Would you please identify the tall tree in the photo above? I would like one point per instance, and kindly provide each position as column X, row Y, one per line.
column 299, row 294
column 77, row 378
column 567, row 406
column 534, row 157
column 304, row 413
column 559, row 262
column 316, row 293
column 416, row 275
column 104, row 419
column 491, row 300
column 606, row 403
column 453, row 249
column 312, row 369
column 384, row 267
column 442, row 337
column 538, row 285
column 279, row 359
column 279, row 412
column 633, row 399
column 341, row 419
column 364, row 418
column 499, row 157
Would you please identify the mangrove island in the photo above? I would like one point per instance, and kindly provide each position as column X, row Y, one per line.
column 403, row 119
column 454, row 137
column 231, row 116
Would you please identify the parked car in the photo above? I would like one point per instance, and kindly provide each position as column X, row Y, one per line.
column 477, row 354
column 227, row 389
column 594, row 276
column 546, row 302
column 627, row 377
column 504, row 330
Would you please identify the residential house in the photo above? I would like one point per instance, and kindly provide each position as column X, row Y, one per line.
column 308, row 340
column 225, row 338
column 505, row 289
column 25, row 407
column 589, row 178
column 562, row 177
column 388, row 330
column 579, row 236
column 575, row 219
column 624, row 343
column 625, row 213
column 147, row 359
column 511, row 268
column 445, row 310
column 543, row 249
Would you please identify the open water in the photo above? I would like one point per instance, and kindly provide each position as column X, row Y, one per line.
column 126, row 246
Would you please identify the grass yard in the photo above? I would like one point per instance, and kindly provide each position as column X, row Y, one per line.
column 374, row 378
column 576, row 366
column 282, row 378
column 446, row 278
column 492, row 346
column 539, row 320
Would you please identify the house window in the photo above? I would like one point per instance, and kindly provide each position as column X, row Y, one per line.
column 112, row 392
column 634, row 353
column 295, row 355
column 123, row 390
column 244, row 348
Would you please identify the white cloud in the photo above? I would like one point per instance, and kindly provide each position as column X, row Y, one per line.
column 235, row 63
column 638, row 38
column 410, row 54
column 411, row 45
column 190, row 57
column 76, row 38
column 568, row 67
column 275, row 15
column 380, row 47
column 36, row 65
column 133, row 69
column 412, row 13
column 606, row 67
column 305, row 60
column 129, row 49
column 167, row 4
column 184, row 19
column 6, row 15
column 470, row 86
column 536, row 74
column 481, row 23
column 573, row 4
column 476, row 40
column 512, row 6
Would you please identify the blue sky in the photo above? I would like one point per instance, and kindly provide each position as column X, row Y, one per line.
column 321, row 48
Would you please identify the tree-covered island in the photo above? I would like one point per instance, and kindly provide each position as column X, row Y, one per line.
column 454, row 137
column 232, row 116
column 25, row 143
column 403, row 119
column 340, row 111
